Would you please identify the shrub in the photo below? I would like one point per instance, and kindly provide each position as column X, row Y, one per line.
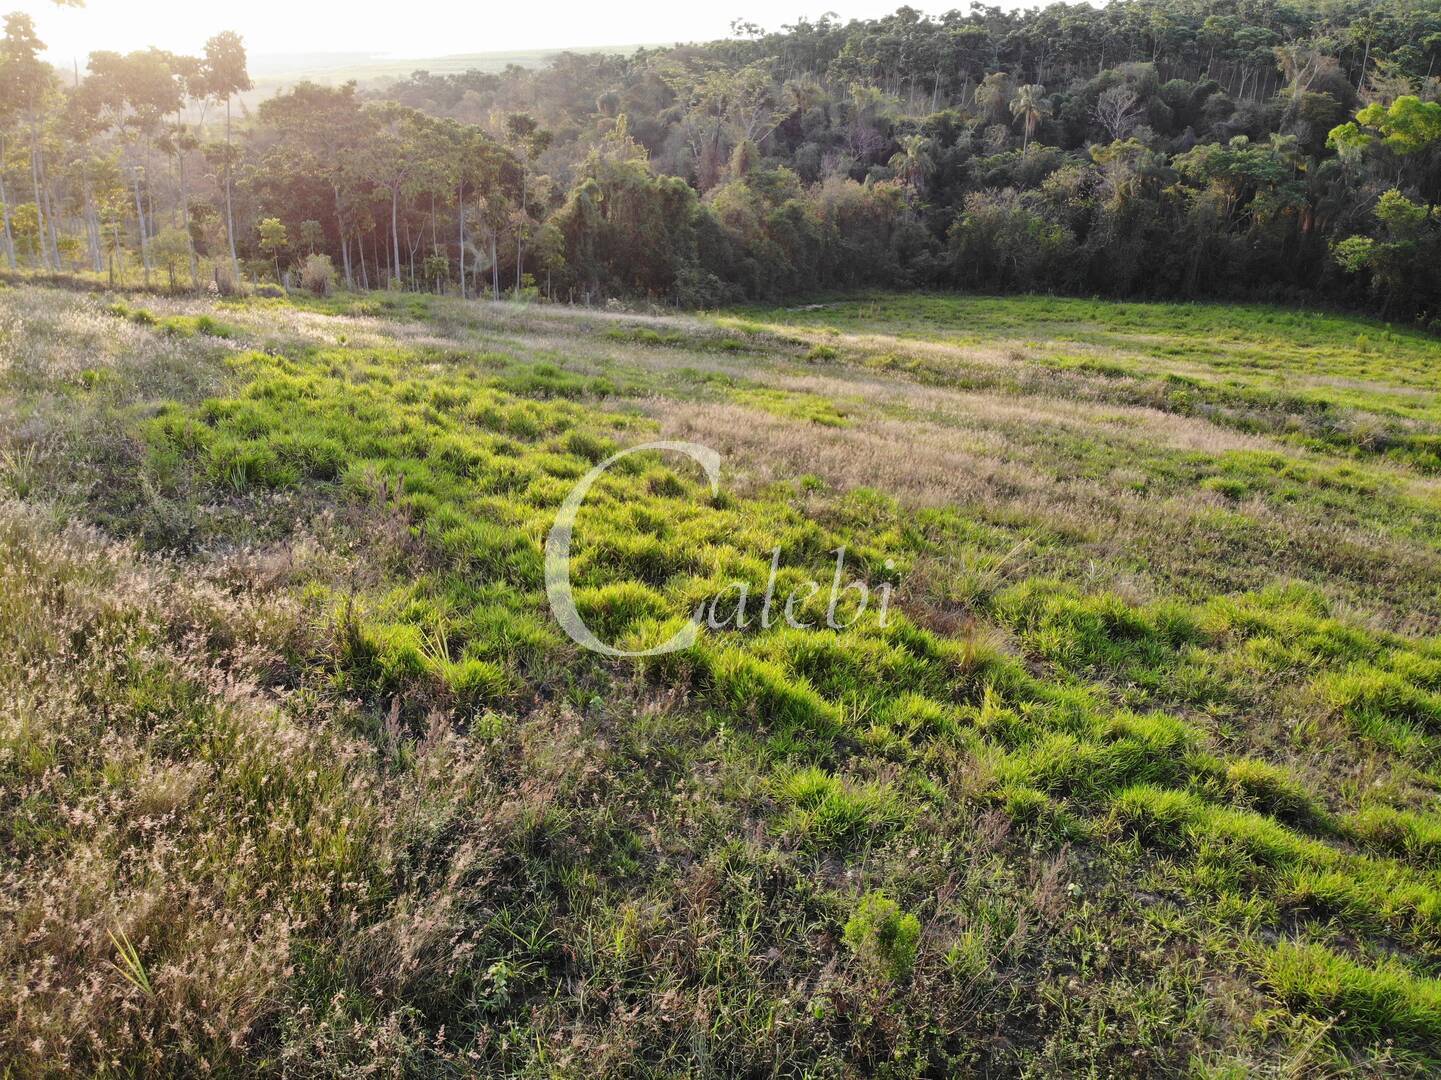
column 226, row 283
column 884, row 939
column 213, row 328
column 318, row 275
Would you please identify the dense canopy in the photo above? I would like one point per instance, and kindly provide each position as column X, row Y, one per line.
column 1280, row 149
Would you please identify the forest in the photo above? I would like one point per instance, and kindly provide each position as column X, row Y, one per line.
column 1272, row 149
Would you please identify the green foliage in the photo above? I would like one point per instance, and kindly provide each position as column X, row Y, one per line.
column 318, row 275
column 1160, row 671
column 1402, row 260
column 175, row 325
column 273, row 240
column 1408, row 126
column 623, row 227
column 1366, row 1001
column 800, row 406
column 830, row 813
column 1402, row 218
column 998, row 242
column 1354, row 253
column 892, row 152
column 884, row 939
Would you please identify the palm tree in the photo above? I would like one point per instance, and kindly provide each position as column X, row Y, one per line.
column 1030, row 105
column 913, row 162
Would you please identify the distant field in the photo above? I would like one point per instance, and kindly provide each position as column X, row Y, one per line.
column 1318, row 373
column 299, row 773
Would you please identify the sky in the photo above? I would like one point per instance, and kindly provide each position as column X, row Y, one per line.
column 414, row 28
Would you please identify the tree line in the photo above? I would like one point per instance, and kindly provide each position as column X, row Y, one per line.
column 1279, row 149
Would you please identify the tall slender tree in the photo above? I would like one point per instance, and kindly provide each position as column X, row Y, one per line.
column 139, row 91
column 225, row 76
column 527, row 139
column 1030, row 107
column 9, row 117
column 4, row 196
column 322, row 132
column 29, row 89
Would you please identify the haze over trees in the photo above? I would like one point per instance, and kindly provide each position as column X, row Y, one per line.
column 1171, row 148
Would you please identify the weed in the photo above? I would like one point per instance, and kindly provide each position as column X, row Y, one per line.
column 883, row 938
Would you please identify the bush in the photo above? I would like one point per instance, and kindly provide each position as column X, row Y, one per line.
column 226, row 283
column 999, row 243
column 318, row 275
column 885, row 940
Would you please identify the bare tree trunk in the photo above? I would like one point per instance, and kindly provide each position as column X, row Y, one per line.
column 395, row 230
column 494, row 268
column 5, row 209
column 460, row 213
column 140, row 216
column 92, row 231
column 39, row 213
column 229, row 200
column 519, row 233
column 410, row 246
column 50, row 215
column 344, row 241
column 117, row 256
column 185, row 209
column 92, row 226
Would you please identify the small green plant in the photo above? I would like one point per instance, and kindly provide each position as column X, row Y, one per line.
column 139, row 316
column 129, row 964
column 884, row 939
column 20, row 469
column 273, row 240
column 204, row 324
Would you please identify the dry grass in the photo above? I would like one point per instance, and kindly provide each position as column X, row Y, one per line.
column 224, row 850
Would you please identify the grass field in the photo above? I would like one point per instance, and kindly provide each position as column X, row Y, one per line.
column 300, row 776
